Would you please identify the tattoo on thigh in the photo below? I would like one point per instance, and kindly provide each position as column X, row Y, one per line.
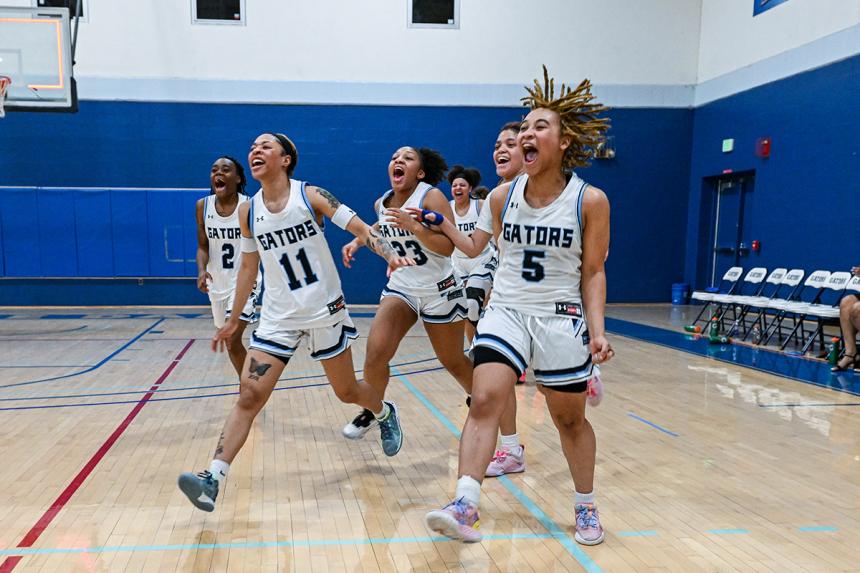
column 257, row 369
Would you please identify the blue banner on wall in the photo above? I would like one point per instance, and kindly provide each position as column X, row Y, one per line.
column 760, row 6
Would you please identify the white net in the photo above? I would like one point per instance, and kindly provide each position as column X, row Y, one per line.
column 5, row 82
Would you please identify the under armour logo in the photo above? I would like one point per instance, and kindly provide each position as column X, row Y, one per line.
column 513, row 205
column 258, row 219
column 210, row 216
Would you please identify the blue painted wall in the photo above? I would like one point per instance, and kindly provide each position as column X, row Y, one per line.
column 140, row 233
column 805, row 203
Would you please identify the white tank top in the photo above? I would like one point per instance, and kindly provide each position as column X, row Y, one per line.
column 301, row 285
column 466, row 225
column 432, row 273
column 541, row 253
column 224, row 247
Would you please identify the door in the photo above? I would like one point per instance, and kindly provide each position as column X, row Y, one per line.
column 729, row 246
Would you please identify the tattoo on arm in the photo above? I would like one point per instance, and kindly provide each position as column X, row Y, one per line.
column 257, row 369
column 332, row 200
column 379, row 245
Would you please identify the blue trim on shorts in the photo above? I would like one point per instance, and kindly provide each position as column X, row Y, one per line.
column 457, row 313
column 347, row 333
column 271, row 347
column 575, row 374
column 397, row 294
column 503, row 346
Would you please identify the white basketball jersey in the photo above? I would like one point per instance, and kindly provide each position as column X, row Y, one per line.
column 432, row 273
column 301, row 285
column 466, row 225
column 224, row 251
column 541, row 253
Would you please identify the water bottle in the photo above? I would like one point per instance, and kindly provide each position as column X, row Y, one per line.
column 714, row 331
column 756, row 334
column 735, row 328
column 694, row 328
column 833, row 352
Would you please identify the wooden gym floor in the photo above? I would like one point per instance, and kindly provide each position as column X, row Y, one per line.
column 703, row 464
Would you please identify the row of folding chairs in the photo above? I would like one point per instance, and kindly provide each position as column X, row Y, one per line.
column 779, row 304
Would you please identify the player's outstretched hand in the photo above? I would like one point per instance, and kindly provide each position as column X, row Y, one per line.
column 221, row 340
column 397, row 262
column 348, row 253
column 426, row 216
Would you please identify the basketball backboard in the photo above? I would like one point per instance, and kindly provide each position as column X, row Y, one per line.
column 35, row 51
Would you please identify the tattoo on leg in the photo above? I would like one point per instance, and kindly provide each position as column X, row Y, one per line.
column 220, row 448
column 257, row 369
column 332, row 200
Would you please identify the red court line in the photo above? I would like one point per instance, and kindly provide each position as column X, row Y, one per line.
column 30, row 538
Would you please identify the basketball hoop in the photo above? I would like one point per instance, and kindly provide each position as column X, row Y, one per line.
column 5, row 82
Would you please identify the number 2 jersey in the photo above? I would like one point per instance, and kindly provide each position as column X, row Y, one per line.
column 432, row 273
column 224, row 248
column 541, row 252
column 301, row 285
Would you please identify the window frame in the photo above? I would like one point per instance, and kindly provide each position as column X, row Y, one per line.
column 454, row 26
column 195, row 21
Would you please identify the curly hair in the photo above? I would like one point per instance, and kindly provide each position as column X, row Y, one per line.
column 578, row 114
column 433, row 164
column 470, row 174
column 480, row 192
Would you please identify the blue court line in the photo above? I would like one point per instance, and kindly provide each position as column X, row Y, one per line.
column 48, row 366
column 162, row 390
column 258, row 544
column 729, row 531
column 796, row 368
column 91, row 368
column 652, row 424
column 644, row 533
column 61, row 316
column 816, row 528
column 45, row 332
column 806, row 405
column 551, row 526
column 193, row 397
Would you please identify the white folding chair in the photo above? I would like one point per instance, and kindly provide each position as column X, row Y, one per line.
column 727, row 286
column 749, row 288
column 825, row 309
column 769, row 291
column 811, row 291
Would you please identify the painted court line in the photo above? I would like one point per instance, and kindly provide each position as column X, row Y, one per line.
column 652, row 424
column 643, row 533
column 36, row 531
column 551, row 526
column 729, row 531
column 817, row 528
column 261, row 544
column 91, row 368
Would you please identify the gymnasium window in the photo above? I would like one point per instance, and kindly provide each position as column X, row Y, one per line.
column 434, row 13
column 218, row 12
column 70, row 4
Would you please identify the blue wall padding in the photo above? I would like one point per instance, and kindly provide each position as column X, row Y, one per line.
column 130, row 231
column 94, row 233
column 20, row 213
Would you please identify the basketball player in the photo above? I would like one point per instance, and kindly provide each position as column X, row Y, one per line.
column 282, row 228
column 553, row 234
column 218, row 250
column 476, row 274
column 428, row 290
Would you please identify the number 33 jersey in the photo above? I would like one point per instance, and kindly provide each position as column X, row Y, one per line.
column 432, row 273
column 224, row 248
column 541, row 253
column 301, row 287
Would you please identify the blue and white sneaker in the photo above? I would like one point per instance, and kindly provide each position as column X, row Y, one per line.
column 201, row 489
column 390, row 432
column 362, row 423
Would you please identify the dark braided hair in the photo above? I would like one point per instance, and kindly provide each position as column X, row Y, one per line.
column 470, row 174
column 433, row 164
column 240, row 171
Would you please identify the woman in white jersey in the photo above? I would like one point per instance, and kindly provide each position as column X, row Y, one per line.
column 429, row 290
column 474, row 273
column 282, row 229
column 553, row 233
column 218, row 249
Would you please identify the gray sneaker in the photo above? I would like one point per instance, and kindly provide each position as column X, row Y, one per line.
column 389, row 429
column 201, row 489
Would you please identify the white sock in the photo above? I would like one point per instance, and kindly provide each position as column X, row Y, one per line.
column 582, row 498
column 510, row 442
column 469, row 489
column 219, row 469
column 382, row 413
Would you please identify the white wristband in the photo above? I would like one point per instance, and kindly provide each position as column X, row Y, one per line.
column 342, row 216
column 249, row 245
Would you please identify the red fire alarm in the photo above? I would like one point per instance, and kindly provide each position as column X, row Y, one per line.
column 762, row 147
column 756, row 246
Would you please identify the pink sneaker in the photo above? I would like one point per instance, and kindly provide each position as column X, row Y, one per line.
column 594, row 391
column 588, row 528
column 507, row 462
column 457, row 520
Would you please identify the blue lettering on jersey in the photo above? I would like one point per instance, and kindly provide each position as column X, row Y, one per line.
column 538, row 235
column 466, row 227
column 287, row 236
column 224, row 232
column 389, row 232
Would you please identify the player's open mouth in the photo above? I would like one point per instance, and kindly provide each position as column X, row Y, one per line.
column 257, row 162
column 399, row 173
column 220, row 183
column 530, row 153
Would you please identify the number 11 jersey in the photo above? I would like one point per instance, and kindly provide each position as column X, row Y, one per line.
column 301, row 287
